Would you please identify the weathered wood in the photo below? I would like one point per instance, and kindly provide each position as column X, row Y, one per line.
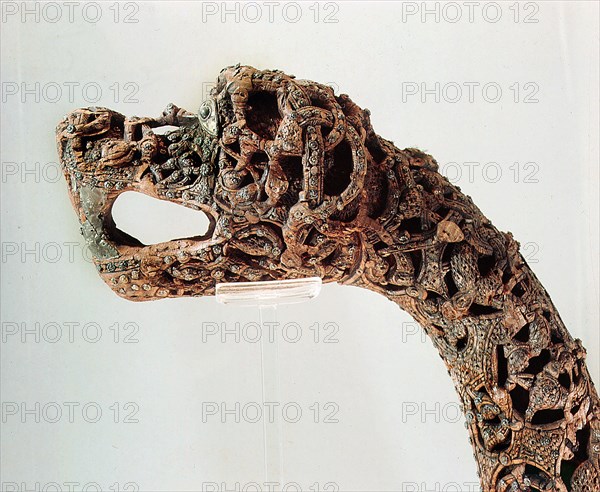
column 296, row 183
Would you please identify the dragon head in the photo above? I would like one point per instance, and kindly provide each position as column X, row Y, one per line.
column 292, row 177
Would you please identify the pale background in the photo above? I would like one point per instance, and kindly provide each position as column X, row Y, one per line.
column 397, row 427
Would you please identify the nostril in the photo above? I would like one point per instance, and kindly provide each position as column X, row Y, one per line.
column 154, row 221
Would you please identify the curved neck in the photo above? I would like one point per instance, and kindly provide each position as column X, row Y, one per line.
column 520, row 376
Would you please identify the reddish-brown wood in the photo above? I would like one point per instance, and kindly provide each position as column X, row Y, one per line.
column 296, row 183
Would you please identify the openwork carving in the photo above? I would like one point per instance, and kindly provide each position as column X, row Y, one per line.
column 296, row 183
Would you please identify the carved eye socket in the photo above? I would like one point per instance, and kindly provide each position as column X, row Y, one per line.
column 207, row 115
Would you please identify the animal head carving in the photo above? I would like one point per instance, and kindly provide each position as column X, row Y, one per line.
column 291, row 176
column 296, row 183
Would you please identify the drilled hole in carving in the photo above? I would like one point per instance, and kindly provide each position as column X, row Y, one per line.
column 531, row 472
column 447, row 254
column 518, row 289
column 523, row 334
column 259, row 160
column 153, row 221
column 348, row 213
column 417, row 259
column 337, row 177
column 319, row 101
column 325, row 131
column 502, row 366
column 379, row 245
column 449, row 192
column 520, row 399
column 565, row 380
column 583, row 439
column 311, row 238
column 450, row 285
column 433, row 296
column 136, row 132
column 485, row 264
column 247, row 179
column 480, row 309
column 375, row 150
column 234, row 147
column 412, row 226
column 547, row 416
column 536, row 364
column 377, row 180
column 555, row 338
column 442, row 212
column 262, row 116
column 580, row 454
column 292, row 168
column 567, row 468
column 501, row 446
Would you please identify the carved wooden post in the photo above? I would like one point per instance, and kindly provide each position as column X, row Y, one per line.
column 296, row 183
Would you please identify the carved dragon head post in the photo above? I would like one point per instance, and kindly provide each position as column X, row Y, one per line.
column 296, row 183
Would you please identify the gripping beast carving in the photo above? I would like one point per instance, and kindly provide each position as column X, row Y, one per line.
column 296, row 183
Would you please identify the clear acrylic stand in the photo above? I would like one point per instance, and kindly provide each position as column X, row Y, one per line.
column 266, row 296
